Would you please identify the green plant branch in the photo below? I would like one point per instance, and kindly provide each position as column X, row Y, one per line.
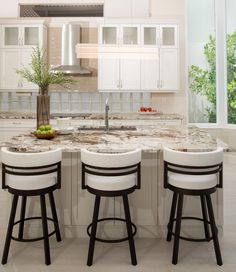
column 40, row 74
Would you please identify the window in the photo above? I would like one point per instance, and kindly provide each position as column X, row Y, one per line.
column 201, row 61
column 231, row 60
column 212, row 61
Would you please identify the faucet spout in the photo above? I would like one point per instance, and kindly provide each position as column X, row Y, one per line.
column 106, row 116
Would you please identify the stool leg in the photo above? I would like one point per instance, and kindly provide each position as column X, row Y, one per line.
column 129, row 230
column 172, row 216
column 204, row 215
column 45, row 230
column 54, row 216
column 93, row 230
column 177, row 229
column 22, row 217
column 214, row 230
column 10, row 229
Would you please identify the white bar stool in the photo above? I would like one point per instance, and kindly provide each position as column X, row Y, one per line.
column 111, row 175
column 193, row 173
column 31, row 174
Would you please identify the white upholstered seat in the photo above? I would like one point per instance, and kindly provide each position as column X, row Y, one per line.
column 192, row 182
column 21, row 159
column 193, row 159
column 110, row 160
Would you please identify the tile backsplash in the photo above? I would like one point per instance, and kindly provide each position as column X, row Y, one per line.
column 76, row 102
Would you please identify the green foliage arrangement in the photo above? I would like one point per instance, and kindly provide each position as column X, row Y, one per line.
column 203, row 82
column 40, row 73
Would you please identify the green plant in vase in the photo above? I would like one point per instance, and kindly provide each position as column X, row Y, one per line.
column 40, row 74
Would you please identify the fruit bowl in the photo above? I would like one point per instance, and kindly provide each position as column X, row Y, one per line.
column 45, row 136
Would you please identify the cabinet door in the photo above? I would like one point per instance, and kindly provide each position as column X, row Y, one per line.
column 130, row 34
column 11, row 36
column 149, row 35
column 149, row 74
column 25, row 62
column 108, row 34
column 108, row 74
column 30, row 36
column 169, row 70
column 121, row 8
column 130, row 74
column 10, row 59
column 168, row 36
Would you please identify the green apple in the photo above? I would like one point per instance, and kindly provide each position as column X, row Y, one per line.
column 42, row 128
column 48, row 127
column 51, row 131
column 38, row 131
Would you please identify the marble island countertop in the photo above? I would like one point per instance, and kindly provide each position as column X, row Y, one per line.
column 94, row 116
column 148, row 138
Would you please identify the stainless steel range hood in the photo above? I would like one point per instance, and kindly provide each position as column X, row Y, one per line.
column 70, row 64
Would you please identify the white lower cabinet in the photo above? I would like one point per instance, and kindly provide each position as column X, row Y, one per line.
column 150, row 74
column 10, row 60
column 169, row 70
column 119, row 74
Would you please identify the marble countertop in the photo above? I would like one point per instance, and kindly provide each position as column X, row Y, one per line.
column 148, row 138
column 94, row 116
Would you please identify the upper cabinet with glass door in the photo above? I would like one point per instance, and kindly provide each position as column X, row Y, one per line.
column 159, row 35
column 17, row 36
column 120, row 34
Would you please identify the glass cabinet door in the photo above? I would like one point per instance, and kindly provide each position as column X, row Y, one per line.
column 130, row 34
column 149, row 35
column 168, row 36
column 11, row 36
column 31, row 36
column 109, row 35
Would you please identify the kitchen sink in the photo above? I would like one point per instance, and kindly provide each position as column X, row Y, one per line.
column 111, row 128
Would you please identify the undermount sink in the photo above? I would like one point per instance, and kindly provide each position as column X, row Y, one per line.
column 111, row 128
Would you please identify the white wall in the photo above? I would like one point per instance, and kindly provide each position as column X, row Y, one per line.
column 167, row 7
column 9, row 8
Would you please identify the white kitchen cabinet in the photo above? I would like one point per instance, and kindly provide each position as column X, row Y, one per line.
column 150, row 74
column 169, row 70
column 118, row 74
column 147, row 56
column 17, row 39
column 161, row 74
column 126, row 8
column 119, row 34
column 108, row 74
column 129, row 74
column 160, row 35
column 20, row 35
column 10, row 60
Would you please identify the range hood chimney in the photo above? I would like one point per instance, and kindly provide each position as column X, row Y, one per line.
column 70, row 64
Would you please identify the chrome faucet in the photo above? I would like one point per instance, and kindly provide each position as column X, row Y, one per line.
column 106, row 116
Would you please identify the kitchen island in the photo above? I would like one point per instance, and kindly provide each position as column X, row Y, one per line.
column 150, row 205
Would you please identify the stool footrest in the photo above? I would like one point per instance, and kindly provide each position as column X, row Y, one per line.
column 33, row 239
column 112, row 240
column 187, row 238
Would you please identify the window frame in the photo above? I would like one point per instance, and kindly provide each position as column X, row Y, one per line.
column 221, row 68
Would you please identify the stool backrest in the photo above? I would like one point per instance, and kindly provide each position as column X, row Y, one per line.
column 193, row 163
column 31, row 164
column 111, row 164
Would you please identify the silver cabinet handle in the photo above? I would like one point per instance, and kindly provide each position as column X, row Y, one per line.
column 118, row 84
column 160, row 83
column 121, row 84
